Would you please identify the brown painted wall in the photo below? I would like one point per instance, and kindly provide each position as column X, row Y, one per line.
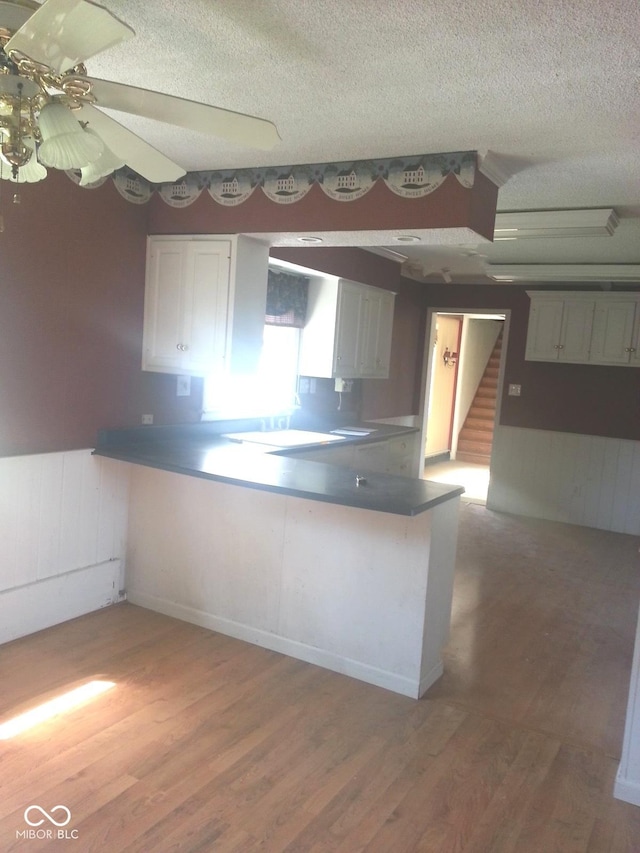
column 449, row 206
column 71, row 291
column 573, row 398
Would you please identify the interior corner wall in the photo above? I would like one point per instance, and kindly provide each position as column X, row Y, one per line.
column 72, row 293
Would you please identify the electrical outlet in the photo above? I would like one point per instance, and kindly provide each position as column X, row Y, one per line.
column 515, row 390
column 183, row 386
column 147, row 419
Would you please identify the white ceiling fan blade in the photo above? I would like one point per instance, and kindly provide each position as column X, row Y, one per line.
column 62, row 33
column 136, row 153
column 236, row 127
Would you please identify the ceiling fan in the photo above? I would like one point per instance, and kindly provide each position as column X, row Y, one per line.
column 49, row 112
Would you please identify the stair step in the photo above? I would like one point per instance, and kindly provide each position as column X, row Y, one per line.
column 488, row 387
column 478, row 423
column 481, row 447
column 491, row 372
column 476, row 458
column 483, row 435
column 483, row 403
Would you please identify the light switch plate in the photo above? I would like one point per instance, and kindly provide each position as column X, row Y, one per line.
column 515, row 390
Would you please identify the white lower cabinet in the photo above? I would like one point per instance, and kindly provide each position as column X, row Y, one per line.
column 204, row 304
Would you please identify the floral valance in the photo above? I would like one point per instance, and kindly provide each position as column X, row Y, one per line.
column 287, row 295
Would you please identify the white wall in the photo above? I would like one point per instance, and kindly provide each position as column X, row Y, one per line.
column 478, row 340
column 577, row 479
column 63, row 520
column 443, row 386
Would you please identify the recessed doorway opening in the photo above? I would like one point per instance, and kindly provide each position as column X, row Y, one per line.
column 463, row 373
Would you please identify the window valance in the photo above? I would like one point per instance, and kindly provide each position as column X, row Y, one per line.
column 287, row 295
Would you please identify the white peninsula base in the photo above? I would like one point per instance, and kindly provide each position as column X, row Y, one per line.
column 364, row 593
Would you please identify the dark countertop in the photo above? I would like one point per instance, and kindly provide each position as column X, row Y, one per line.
column 200, row 450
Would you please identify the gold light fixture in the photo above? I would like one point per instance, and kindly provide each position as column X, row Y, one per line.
column 37, row 123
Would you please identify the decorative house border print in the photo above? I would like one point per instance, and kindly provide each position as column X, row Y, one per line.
column 407, row 177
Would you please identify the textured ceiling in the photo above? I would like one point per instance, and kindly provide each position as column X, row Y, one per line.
column 552, row 87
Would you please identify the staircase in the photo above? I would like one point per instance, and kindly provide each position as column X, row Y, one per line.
column 476, row 436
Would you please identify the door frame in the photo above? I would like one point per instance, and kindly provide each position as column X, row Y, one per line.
column 427, row 362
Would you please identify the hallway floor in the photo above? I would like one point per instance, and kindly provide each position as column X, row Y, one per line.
column 474, row 478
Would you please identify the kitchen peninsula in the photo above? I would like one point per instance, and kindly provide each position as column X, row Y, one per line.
column 297, row 556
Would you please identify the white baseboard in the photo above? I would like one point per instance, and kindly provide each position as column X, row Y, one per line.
column 286, row 646
column 35, row 606
column 625, row 789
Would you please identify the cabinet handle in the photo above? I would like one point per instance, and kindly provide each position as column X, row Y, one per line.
column 629, row 349
column 179, row 347
column 182, row 347
column 560, row 346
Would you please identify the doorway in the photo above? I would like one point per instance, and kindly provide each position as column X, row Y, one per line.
column 462, row 382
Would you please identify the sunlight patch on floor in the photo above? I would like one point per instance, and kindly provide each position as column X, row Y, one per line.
column 474, row 478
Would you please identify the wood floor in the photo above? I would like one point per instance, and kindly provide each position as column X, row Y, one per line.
column 209, row 744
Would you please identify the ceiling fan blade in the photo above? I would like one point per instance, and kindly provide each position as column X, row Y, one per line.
column 236, row 127
column 62, row 33
column 136, row 153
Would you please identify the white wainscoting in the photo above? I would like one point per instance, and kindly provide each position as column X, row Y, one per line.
column 63, row 523
column 577, row 479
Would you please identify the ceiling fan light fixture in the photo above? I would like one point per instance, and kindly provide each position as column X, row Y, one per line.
column 106, row 164
column 30, row 173
column 65, row 144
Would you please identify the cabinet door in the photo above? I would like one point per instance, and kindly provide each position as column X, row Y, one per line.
column 205, row 307
column 575, row 337
column 545, row 326
column 613, row 332
column 403, row 456
column 348, row 325
column 371, row 457
column 376, row 329
column 164, row 307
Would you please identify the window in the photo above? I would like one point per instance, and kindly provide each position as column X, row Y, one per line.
column 271, row 391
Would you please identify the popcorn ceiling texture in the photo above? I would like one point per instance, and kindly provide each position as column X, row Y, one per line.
column 551, row 86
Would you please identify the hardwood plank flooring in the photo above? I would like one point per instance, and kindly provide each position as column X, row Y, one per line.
column 210, row 744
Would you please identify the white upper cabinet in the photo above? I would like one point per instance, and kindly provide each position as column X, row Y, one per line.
column 584, row 328
column 348, row 330
column 375, row 350
column 204, row 305
column 616, row 324
column 559, row 328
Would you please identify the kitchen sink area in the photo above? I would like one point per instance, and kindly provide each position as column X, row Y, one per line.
column 284, row 437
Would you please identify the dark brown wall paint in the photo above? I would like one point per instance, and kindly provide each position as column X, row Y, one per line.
column 72, row 294
column 450, row 206
column 575, row 398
